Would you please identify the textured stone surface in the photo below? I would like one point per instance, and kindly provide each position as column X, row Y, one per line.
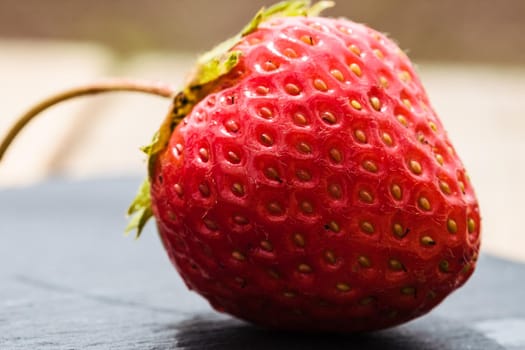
column 70, row 280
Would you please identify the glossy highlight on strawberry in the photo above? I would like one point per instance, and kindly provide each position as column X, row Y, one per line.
column 315, row 187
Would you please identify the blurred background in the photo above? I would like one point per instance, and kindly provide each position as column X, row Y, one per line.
column 470, row 54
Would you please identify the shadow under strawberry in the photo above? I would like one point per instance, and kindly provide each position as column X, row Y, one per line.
column 207, row 331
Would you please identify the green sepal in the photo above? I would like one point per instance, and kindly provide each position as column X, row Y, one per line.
column 211, row 67
column 318, row 7
column 218, row 65
column 140, row 209
column 286, row 9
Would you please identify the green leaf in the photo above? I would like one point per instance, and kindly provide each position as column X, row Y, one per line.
column 281, row 9
column 140, row 209
column 217, row 66
column 220, row 60
column 138, row 221
column 148, row 148
column 319, row 7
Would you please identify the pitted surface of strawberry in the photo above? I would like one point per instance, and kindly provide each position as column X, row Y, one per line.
column 314, row 187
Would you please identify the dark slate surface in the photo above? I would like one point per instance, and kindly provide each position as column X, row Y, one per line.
column 69, row 279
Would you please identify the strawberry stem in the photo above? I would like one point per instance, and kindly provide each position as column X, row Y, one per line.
column 110, row 85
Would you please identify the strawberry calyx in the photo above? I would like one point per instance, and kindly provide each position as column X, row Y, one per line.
column 210, row 68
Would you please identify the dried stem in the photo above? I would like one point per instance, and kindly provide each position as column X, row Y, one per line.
column 111, row 85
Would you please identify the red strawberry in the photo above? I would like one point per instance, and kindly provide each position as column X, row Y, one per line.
column 310, row 184
column 314, row 187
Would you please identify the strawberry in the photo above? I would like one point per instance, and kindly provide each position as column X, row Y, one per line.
column 303, row 180
column 314, row 187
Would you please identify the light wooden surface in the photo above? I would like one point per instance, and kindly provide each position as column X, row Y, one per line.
column 481, row 107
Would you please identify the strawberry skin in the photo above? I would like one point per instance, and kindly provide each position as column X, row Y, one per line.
column 315, row 188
